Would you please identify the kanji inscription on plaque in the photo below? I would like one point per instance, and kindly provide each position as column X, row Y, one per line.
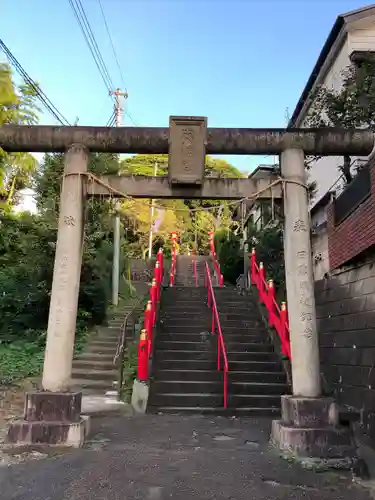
column 187, row 149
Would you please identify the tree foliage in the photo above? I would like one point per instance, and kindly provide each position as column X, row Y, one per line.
column 351, row 106
column 17, row 106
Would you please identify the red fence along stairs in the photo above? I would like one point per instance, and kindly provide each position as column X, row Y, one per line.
column 185, row 374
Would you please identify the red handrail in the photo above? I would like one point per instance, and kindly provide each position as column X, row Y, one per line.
column 277, row 317
column 150, row 318
column 174, row 258
column 215, row 325
column 219, row 276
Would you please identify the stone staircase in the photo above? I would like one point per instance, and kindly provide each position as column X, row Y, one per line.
column 185, row 378
column 93, row 370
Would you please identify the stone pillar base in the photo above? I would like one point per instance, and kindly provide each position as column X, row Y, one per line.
column 140, row 396
column 309, row 432
column 51, row 419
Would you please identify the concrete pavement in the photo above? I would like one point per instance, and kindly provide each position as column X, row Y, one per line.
column 159, row 457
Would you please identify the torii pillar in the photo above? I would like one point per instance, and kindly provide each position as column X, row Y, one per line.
column 53, row 415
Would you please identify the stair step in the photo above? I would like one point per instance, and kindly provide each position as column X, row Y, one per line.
column 216, row 387
column 177, row 345
column 247, row 347
column 186, row 364
column 257, row 366
column 103, row 343
column 94, row 374
column 180, row 355
column 229, row 412
column 206, row 334
column 188, row 375
column 93, row 356
column 93, row 384
column 258, row 376
column 211, row 354
column 94, row 364
column 98, row 349
column 214, row 400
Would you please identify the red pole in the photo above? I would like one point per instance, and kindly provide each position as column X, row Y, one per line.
column 253, row 259
column 147, row 325
column 271, row 306
column 221, row 280
column 285, row 341
column 153, row 297
column 157, row 278
column 261, row 283
column 142, row 373
column 160, row 258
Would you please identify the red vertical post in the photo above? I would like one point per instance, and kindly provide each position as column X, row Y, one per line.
column 253, row 261
column 142, row 372
column 157, row 278
column 221, row 280
column 271, row 304
column 160, row 258
column 153, row 297
column 147, row 325
column 261, row 282
column 285, row 341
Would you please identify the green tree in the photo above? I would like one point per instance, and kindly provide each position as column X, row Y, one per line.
column 351, row 106
column 17, row 106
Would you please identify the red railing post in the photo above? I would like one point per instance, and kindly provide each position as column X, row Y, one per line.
column 253, row 261
column 285, row 341
column 261, row 282
column 154, row 298
column 157, row 279
column 147, row 325
column 271, row 302
column 142, row 369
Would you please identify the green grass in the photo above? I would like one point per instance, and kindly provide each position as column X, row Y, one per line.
column 20, row 360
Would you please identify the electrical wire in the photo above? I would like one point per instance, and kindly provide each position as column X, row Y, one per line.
column 112, row 119
column 112, row 44
column 36, row 88
column 84, row 24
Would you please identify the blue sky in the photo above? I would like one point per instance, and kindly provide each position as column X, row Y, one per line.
column 241, row 63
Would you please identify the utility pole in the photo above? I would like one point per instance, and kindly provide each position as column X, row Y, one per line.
column 152, row 212
column 116, row 230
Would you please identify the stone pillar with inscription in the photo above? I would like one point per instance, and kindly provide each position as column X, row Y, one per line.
column 309, row 427
column 53, row 415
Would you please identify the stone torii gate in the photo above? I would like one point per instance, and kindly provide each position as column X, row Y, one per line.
column 54, row 414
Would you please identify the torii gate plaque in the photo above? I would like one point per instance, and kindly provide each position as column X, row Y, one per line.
column 187, row 149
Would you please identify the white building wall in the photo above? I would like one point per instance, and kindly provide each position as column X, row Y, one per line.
column 319, row 244
column 325, row 172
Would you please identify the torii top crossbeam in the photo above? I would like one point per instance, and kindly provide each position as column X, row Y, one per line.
column 153, row 140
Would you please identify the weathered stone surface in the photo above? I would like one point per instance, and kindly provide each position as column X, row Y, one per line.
column 324, row 443
column 159, row 187
column 22, row 433
column 140, row 396
column 308, row 412
column 326, row 142
column 53, row 407
column 187, row 149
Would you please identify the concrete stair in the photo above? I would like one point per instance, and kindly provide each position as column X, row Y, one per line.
column 94, row 372
column 185, row 376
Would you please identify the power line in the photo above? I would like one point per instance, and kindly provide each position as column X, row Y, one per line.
column 112, row 119
column 81, row 17
column 36, row 88
column 112, row 44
